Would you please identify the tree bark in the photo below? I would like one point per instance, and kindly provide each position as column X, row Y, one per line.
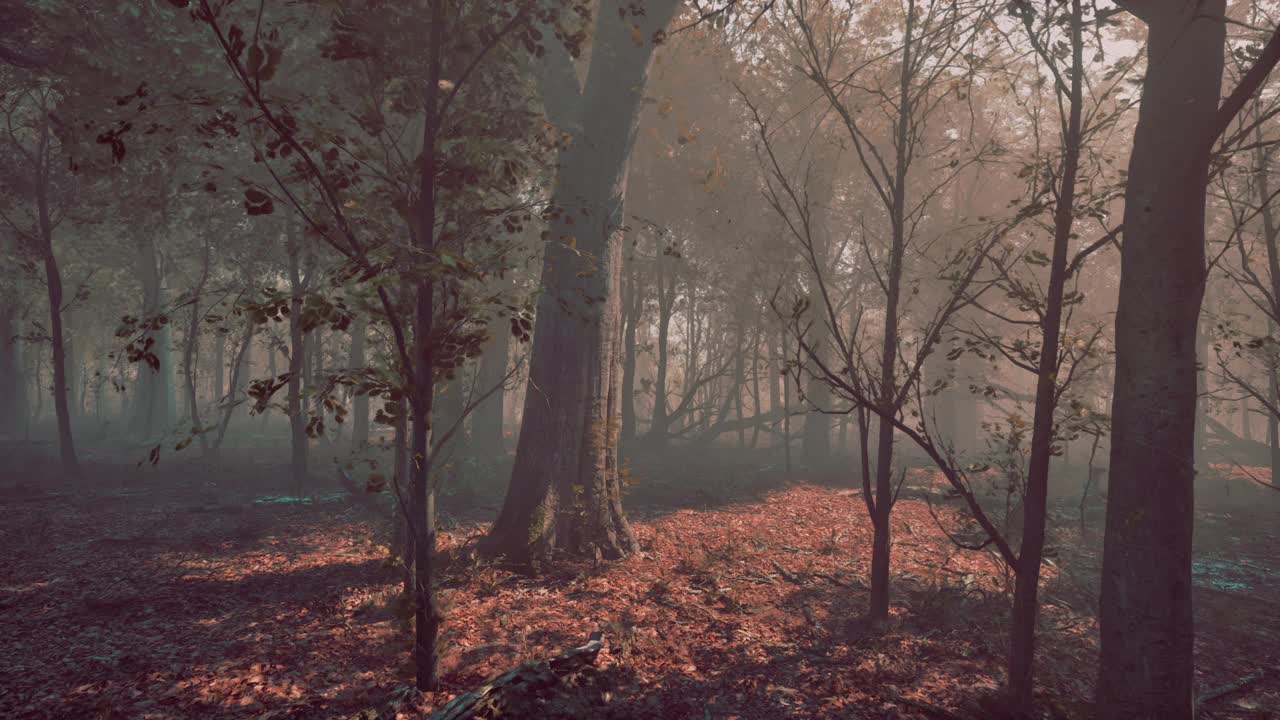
column 1146, row 621
column 565, row 491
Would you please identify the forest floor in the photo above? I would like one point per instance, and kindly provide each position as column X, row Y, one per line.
column 178, row 597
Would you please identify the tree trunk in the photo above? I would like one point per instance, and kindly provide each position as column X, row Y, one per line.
column 816, row 445
column 66, row 443
column 219, row 365
column 786, row 406
column 660, row 424
column 1202, row 392
column 1271, row 239
column 189, row 353
column 53, row 284
column 1026, row 604
column 739, row 385
column 37, row 379
column 155, row 408
column 1273, row 424
column 565, row 491
column 269, row 342
column 447, row 411
column 633, row 303
column 297, row 353
column 888, row 390
column 1246, row 420
column 75, row 373
column 428, row 616
column 359, row 403
column 316, row 371
column 13, row 376
column 229, row 406
column 488, row 423
column 1146, row 623
column 755, row 385
column 401, row 539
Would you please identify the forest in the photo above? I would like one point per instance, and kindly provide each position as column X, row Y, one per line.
column 707, row 359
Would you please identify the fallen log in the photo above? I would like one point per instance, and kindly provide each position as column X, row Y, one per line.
column 518, row 686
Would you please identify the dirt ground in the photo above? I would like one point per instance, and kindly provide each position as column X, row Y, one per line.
column 199, row 591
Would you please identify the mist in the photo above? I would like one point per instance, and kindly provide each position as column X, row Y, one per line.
column 590, row 358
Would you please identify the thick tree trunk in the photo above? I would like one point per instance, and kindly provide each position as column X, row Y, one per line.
column 565, row 491
column 1271, row 239
column 1146, row 670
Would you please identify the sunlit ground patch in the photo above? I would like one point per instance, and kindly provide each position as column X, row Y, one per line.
column 295, row 500
column 1230, row 574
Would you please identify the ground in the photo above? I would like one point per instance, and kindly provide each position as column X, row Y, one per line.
column 184, row 595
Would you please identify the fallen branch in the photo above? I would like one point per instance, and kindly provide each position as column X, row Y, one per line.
column 928, row 708
column 1218, row 692
column 832, row 579
column 526, row 680
column 787, row 574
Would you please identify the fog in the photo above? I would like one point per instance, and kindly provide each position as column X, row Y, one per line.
column 638, row 359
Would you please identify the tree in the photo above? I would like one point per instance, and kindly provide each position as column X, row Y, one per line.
column 565, row 492
column 31, row 139
column 453, row 187
column 936, row 37
column 1146, row 624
